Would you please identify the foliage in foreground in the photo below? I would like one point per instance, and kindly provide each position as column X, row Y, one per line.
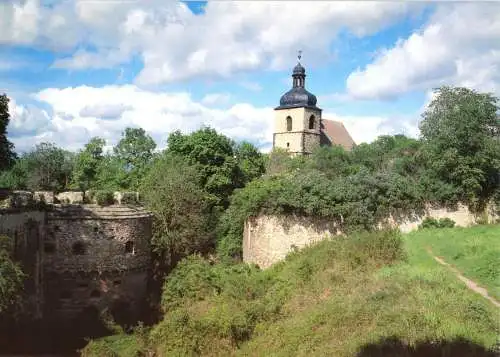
column 334, row 298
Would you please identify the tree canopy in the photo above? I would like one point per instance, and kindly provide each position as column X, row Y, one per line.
column 460, row 131
column 135, row 152
column 87, row 164
column 7, row 154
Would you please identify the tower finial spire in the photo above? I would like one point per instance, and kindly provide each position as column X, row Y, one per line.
column 299, row 55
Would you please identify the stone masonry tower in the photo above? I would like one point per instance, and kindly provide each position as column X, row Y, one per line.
column 297, row 123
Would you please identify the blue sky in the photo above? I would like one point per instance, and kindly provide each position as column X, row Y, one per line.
column 78, row 69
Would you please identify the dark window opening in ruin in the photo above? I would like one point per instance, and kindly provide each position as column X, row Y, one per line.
column 66, row 295
column 49, row 247
column 288, row 123
column 117, row 282
column 95, row 294
column 129, row 247
column 312, row 122
column 56, row 228
column 287, row 145
column 78, row 248
column 96, row 229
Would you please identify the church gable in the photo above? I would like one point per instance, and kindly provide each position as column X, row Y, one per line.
column 334, row 133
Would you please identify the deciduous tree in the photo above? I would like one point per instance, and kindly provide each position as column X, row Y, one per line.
column 87, row 164
column 460, row 131
column 135, row 150
column 7, row 155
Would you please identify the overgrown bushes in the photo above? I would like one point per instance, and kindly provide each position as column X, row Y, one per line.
column 212, row 309
column 431, row 222
column 103, row 197
column 358, row 201
column 11, row 276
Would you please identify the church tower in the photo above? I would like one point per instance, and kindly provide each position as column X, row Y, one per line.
column 297, row 120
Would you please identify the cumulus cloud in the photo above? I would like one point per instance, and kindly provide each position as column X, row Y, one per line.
column 365, row 129
column 104, row 111
column 458, row 46
column 175, row 44
column 216, row 99
column 74, row 115
column 27, row 120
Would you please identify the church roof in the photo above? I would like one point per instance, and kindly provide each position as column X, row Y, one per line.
column 299, row 69
column 334, row 133
column 298, row 96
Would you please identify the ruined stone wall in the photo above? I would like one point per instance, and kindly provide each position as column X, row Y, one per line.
column 268, row 239
column 461, row 214
column 79, row 256
column 96, row 257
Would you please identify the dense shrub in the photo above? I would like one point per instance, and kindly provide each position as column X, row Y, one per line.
column 11, row 276
column 211, row 309
column 103, row 197
column 358, row 201
column 129, row 198
column 430, row 222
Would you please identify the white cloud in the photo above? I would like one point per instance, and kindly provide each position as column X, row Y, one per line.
column 27, row 120
column 176, row 44
column 459, row 46
column 74, row 115
column 365, row 129
column 77, row 114
column 216, row 99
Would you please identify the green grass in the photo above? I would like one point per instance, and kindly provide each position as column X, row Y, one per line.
column 474, row 251
column 120, row 345
column 368, row 295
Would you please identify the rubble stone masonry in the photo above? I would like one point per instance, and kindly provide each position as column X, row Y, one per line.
column 268, row 239
column 81, row 256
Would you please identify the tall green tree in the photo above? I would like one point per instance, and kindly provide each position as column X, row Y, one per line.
column 214, row 155
column 7, row 155
column 112, row 174
column 183, row 221
column 136, row 151
column 47, row 167
column 250, row 161
column 87, row 164
column 460, row 131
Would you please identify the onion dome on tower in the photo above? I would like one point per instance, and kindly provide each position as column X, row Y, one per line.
column 298, row 96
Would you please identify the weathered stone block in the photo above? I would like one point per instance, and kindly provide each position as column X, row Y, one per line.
column 44, row 196
column 70, row 197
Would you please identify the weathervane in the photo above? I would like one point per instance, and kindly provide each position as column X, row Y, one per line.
column 300, row 55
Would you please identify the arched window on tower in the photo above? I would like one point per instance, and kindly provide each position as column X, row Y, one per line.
column 288, row 123
column 312, row 122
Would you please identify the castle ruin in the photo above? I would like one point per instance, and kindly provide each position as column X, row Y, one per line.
column 79, row 258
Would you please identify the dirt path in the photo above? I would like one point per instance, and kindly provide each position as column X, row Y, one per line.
column 469, row 283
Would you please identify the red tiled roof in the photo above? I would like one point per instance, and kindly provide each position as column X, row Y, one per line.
column 334, row 133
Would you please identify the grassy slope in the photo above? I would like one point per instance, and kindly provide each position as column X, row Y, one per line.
column 413, row 301
column 334, row 299
column 474, row 251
